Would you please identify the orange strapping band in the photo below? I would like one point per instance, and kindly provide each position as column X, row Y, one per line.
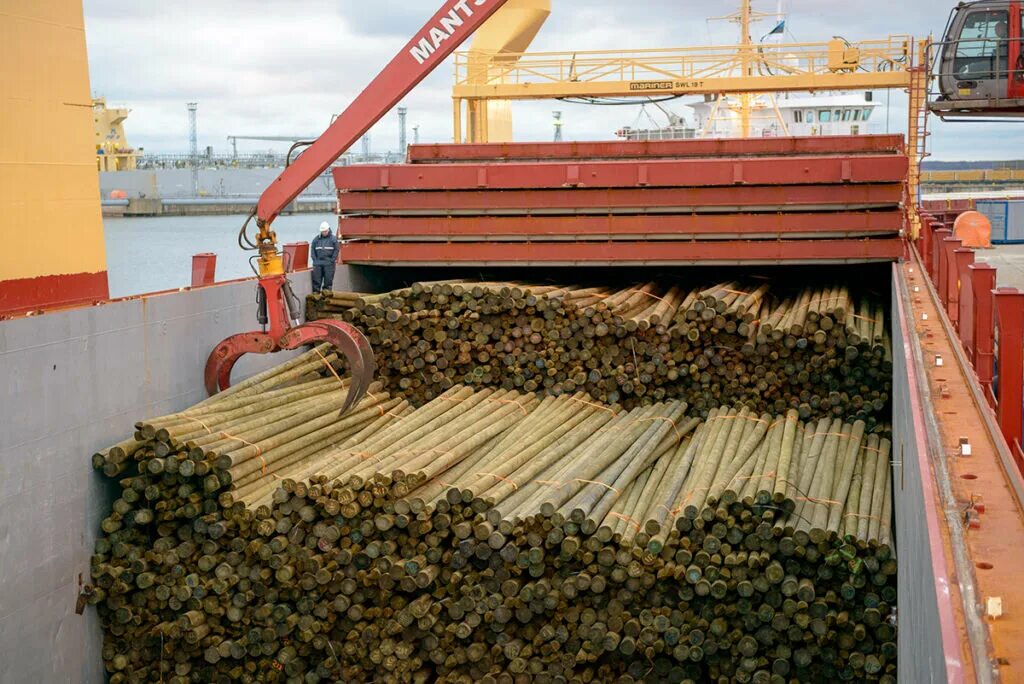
column 864, row 318
column 197, row 420
column 329, row 366
column 813, row 500
column 750, row 416
column 590, row 403
column 628, row 519
column 675, row 427
column 374, row 397
column 652, row 296
column 594, row 482
column 827, row 434
column 735, row 292
column 858, row 515
column 259, row 451
column 512, row 401
column 667, row 509
column 499, row 477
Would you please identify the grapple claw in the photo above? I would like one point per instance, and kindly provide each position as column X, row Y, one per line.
column 273, row 293
column 224, row 356
column 348, row 340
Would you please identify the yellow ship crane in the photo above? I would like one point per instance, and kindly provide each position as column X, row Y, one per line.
column 736, row 69
column 113, row 153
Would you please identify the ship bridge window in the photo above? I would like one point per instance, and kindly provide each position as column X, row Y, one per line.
column 798, row 117
column 824, row 116
column 809, row 115
column 982, row 45
column 847, row 114
column 837, row 115
column 866, row 115
column 856, row 115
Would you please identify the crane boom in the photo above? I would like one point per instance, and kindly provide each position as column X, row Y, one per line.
column 277, row 305
column 443, row 34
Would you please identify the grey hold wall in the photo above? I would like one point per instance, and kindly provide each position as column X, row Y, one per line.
column 926, row 653
column 73, row 382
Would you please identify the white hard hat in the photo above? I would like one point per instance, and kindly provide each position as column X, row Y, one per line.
column 325, row 226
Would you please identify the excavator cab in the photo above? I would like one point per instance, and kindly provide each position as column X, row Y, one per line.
column 979, row 65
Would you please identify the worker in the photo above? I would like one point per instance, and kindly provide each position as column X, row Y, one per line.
column 324, row 249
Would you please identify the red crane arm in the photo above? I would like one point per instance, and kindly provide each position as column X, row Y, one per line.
column 446, row 31
column 449, row 28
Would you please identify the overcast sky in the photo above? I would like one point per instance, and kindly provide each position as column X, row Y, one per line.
column 283, row 67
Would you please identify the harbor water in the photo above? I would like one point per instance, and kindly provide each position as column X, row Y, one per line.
column 154, row 254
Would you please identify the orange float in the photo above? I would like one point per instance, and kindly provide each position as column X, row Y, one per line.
column 974, row 229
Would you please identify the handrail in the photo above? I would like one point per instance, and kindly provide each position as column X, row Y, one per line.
column 894, row 54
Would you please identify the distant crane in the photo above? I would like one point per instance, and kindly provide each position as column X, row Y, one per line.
column 233, row 139
column 402, row 137
column 193, row 146
column 558, row 125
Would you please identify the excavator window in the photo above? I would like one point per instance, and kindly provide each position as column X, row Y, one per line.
column 983, row 49
column 1016, row 65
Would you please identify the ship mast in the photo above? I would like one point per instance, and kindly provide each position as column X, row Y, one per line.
column 747, row 62
column 747, row 58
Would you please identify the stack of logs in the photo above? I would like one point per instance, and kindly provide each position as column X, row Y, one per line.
column 492, row 535
column 817, row 350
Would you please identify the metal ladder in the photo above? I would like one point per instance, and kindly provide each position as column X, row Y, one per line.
column 917, row 143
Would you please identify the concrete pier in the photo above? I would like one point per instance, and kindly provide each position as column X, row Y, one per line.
column 203, row 206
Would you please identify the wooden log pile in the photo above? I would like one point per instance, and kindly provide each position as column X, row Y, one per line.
column 492, row 535
column 818, row 350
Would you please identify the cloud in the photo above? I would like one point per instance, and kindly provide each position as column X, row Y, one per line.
column 283, row 67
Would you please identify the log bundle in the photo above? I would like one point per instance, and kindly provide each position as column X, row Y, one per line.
column 492, row 535
column 818, row 350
